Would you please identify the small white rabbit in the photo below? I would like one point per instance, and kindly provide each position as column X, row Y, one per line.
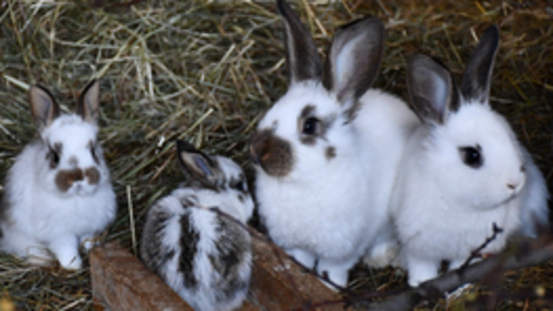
column 326, row 153
column 463, row 169
column 58, row 193
column 204, row 256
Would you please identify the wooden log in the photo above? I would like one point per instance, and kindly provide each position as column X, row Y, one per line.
column 121, row 282
column 282, row 285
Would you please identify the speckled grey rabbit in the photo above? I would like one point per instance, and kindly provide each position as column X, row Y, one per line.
column 203, row 255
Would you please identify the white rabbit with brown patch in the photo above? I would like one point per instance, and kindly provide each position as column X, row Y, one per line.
column 326, row 153
column 203, row 255
column 58, row 193
column 464, row 170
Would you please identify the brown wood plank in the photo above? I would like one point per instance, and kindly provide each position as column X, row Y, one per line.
column 284, row 286
column 122, row 282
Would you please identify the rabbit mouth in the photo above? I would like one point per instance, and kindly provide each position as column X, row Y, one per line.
column 514, row 195
column 82, row 189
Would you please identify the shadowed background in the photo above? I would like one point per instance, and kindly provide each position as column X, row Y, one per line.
column 206, row 71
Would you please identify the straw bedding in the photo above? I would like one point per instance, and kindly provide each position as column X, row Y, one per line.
column 206, row 71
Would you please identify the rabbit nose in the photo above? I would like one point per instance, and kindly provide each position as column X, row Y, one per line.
column 272, row 153
column 517, row 184
column 74, row 175
column 66, row 178
column 518, row 179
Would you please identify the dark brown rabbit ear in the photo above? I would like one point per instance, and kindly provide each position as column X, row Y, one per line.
column 432, row 92
column 354, row 58
column 88, row 104
column 303, row 59
column 44, row 107
column 477, row 78
column 196, row 164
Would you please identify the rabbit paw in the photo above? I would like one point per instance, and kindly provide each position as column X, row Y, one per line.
column 382, row 255
column 67, row 252
column 421, row 270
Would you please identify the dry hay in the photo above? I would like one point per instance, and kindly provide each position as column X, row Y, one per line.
column 206, row 71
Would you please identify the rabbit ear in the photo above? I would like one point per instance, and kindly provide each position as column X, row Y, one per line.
column 476, row 80
column 89, row 102
column 44, row 107
column 432, row 92
column 196, row 163
column 354, row 58
column 302, row 56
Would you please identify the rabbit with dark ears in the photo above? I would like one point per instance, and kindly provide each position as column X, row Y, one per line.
column 464, row 170
column 326, row 153
column 203, row 255
column 58, row 193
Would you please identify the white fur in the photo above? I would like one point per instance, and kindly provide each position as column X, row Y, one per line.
column 533, row 198
column 444, row 209
column 39, row 218
column 335, row 210
column 205, row 295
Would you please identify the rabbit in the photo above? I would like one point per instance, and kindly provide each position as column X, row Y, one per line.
column 204, row 256
column 463, row 170
column 326, row 153
column 58, row 194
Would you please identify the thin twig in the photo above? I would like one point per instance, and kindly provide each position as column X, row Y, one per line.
column 131, row 220
column 477, row 253
column 527, row 254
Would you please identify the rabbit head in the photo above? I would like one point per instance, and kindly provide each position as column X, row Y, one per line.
column 72, row 161
column 469, row 150
column 218, row 174
column 308, row 127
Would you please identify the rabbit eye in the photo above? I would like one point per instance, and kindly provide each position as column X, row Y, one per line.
column 472, row 156
column 54, row 157
column 310, row 126
column 239, row 185
column 92, row 148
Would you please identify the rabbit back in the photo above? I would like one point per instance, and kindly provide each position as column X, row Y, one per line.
column 202, row 255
